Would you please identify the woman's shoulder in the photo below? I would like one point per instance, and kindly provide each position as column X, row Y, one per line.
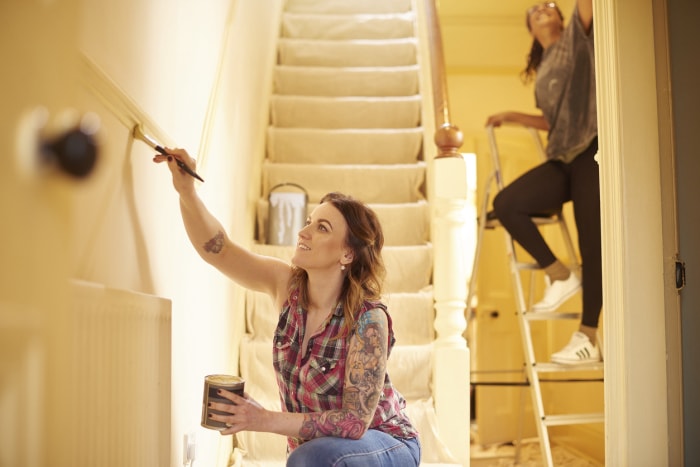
column 372, row 305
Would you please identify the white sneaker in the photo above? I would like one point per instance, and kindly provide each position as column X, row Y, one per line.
column 557, row 293
column 578, row 351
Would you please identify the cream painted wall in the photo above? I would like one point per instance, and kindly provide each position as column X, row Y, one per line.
column 192, row 71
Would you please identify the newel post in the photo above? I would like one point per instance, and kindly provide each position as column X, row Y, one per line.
column 452, row 218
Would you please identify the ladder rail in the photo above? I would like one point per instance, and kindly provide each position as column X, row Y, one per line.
column 481, row 223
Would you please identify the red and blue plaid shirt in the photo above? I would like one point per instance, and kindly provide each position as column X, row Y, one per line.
column 314, row 382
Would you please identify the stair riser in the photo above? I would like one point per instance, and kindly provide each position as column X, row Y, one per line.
column 341, row 146
column 327, row 81
column 344, row 27
column 398, row 52
column 336, row 113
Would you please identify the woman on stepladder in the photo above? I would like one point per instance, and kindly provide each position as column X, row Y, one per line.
column 562, row 62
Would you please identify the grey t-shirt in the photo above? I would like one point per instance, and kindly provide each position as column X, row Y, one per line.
column 565, row 92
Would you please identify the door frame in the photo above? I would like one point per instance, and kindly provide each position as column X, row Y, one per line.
column 638, row 216
column 671, row 240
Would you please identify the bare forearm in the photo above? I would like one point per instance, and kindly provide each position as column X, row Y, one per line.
column 529, row 120
column 519, row 118
column 534, row 121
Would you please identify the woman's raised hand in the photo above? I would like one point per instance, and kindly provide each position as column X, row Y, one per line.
column 181, row 180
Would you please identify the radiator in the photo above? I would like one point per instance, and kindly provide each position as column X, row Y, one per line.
column 85, row 379
column 120, row 378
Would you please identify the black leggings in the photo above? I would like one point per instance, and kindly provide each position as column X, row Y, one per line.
column 545, row 189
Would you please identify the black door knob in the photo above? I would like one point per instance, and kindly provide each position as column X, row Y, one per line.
column 75, row 152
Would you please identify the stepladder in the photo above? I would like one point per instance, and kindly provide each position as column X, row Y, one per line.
column 539, row 374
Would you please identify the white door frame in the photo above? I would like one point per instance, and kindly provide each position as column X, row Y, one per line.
column 634, row 267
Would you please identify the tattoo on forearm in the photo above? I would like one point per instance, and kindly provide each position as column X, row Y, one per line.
column 215, row 244
column 340, row 423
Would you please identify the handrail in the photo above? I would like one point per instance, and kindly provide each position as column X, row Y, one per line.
column 448, row 137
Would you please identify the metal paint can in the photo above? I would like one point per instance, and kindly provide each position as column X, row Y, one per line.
column 287, row 213
column 212, row 383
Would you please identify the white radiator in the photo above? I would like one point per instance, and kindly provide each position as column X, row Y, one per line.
column 85, row 379
column 121, row 378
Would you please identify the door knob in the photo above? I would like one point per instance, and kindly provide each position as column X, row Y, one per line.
column 74, row 151
column 67, row 141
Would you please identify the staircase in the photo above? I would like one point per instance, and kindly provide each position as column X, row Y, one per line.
column 346, row 115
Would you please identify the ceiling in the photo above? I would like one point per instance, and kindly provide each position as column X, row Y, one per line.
column 487, row 36
column 491, row 7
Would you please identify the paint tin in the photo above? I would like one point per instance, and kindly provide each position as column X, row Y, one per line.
column 212, row 383
column 287, row 213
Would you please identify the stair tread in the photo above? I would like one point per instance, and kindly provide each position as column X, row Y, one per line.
column 339, row 100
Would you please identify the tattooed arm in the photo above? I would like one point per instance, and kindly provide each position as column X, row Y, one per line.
column 365, row 371
column 207, row 235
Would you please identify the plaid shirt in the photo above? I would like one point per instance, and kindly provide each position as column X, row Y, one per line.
column 314, row 382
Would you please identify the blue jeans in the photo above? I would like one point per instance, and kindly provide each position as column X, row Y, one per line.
column 375, row 448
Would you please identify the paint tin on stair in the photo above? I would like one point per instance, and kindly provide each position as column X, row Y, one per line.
column 212, row 383
column 287, row 213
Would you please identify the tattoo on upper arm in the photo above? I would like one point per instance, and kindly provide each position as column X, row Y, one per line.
column 366, row 364
column 215, row 244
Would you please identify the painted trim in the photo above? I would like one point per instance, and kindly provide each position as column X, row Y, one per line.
column 612, row 231
column 119, row 102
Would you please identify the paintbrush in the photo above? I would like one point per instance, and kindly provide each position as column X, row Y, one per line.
column 139, row 134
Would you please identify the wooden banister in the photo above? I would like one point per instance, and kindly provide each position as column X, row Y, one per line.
column 448, row 137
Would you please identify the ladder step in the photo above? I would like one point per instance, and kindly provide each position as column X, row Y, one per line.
column 527, row 266
column 539, row 316
column 522, row 266
column 573, row 419
column 493, row 222
column 547, row 367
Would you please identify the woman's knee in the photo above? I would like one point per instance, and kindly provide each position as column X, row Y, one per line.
column 315, row 452
column 299, row 458
column 502, row 207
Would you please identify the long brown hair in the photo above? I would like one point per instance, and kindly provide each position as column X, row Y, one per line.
column 364, row 276
column 534, row 58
